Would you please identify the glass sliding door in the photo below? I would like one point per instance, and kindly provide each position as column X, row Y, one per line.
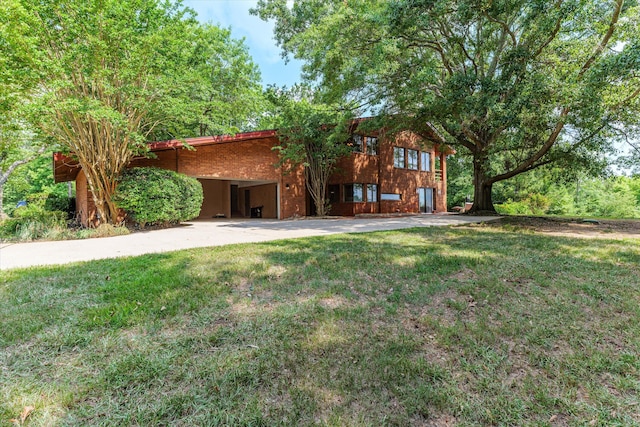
column 425, row 200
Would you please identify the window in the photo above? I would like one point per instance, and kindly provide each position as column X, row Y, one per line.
column 372, row 193
column 357, row 143
column 425, row 161
column 437, row 159
column 398, row 157
column 353, row 193
column 412, row 159
column 372, row 145
column 334, row 193
column 390, row 196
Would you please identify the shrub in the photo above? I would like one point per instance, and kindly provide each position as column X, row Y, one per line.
column 158, row 196
column 56, row 202
column 33, row 222
column 102, row 230
column 534, row 204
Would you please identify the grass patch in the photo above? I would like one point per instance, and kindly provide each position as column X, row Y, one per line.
column 484, row 326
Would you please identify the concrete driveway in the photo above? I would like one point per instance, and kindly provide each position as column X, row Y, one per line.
column 208, row 233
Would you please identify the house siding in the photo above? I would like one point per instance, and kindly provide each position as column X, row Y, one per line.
column 249, row 162
column 379, row 169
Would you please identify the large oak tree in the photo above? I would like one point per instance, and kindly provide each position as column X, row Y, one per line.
column 516, row 84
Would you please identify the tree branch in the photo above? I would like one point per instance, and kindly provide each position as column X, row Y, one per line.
column 5, row 176
column 605, row 39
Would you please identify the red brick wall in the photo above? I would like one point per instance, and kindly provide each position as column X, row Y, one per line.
column 85, row 206
column 367, row 169
column 240, row 160
column 293, row 202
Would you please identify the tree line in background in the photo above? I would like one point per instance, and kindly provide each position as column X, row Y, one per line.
column 521, row 89
column 552, row 191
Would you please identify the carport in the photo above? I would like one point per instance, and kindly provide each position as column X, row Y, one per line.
column 229, row 198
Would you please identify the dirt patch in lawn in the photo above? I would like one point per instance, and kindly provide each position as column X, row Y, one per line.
column 571, row 227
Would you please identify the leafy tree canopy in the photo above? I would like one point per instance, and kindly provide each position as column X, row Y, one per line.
column 312, row 134
column 110, row 75
column 18, row 78
column 516, row 84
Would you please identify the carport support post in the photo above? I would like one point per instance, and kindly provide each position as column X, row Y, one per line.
column 278, row 196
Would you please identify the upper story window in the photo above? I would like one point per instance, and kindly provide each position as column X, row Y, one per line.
column 412, row 159
column 425, row 161
column 399, row 157
column 357, row 143
column 372, row 145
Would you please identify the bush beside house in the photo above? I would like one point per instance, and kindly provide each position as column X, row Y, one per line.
column 158, row 196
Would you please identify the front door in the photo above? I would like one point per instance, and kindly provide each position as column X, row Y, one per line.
column 425, row 200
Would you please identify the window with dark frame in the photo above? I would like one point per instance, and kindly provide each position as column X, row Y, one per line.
column 372, row 193
column 399, row 157
column 412, row 159
column 357, row 143
column 425, row 161
column 372, row 145
column 353, row 193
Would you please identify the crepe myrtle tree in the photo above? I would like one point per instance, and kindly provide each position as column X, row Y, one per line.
column 113, row 74
column 515, row 84
column 313, row 135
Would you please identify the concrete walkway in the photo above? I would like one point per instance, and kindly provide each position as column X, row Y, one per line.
column 208, row 233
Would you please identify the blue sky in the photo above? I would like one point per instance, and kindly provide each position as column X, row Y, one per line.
column 258, row 37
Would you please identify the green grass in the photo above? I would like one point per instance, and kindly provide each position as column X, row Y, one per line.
column 414, row 327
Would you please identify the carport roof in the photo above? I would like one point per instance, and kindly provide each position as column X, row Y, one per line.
column 208, row 140
column 66, row 168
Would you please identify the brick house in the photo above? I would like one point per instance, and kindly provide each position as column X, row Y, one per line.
column 239, row 175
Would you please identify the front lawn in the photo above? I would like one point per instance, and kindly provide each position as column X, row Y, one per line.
column 434, row 326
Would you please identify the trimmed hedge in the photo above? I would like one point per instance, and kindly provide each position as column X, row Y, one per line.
column 158, row 196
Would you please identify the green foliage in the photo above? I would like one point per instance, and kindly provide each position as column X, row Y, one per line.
column 32, row 222
column 533, row 204
column 459, row 181
column 212, row 85
column 113, row 74
column 513, row 84
column 311, row 134
column 612, row 197
column 158, row 196
column 482, row 326
column 36, row 177
column 608, row 198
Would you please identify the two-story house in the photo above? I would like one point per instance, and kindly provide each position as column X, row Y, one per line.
column 240, row 176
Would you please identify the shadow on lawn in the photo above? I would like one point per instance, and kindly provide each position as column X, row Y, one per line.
column 345, row 329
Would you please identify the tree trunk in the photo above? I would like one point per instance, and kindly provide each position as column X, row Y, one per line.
column 482, row 187
column 317, row 194
column 2, row 215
